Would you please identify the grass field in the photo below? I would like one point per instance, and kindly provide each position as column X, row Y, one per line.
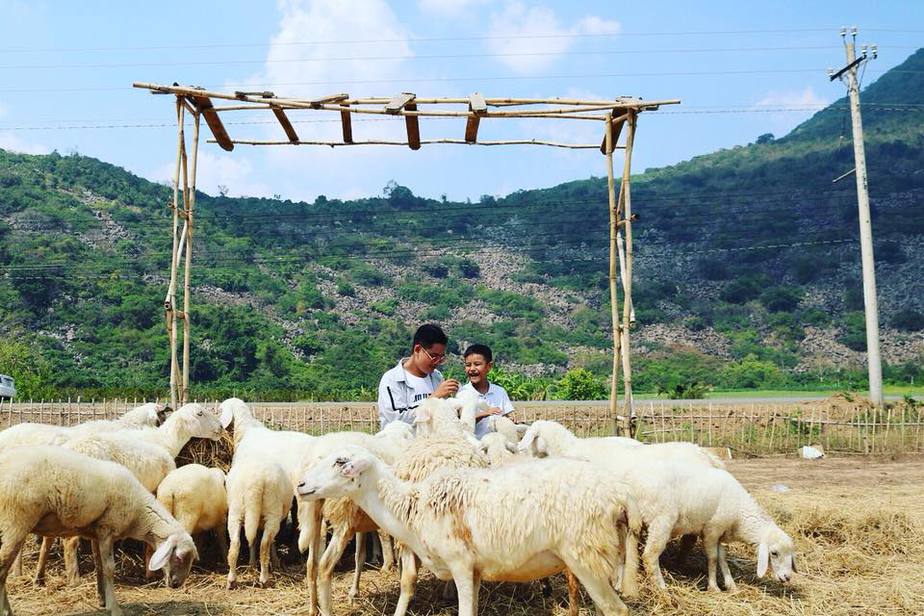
column 858, row 526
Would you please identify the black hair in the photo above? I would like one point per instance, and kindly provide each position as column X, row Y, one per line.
column 479, row 349
column 427, row 335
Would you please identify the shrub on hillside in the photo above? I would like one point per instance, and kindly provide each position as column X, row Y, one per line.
column 908, row 319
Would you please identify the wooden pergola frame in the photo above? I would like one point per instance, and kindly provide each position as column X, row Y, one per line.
column 615, row 115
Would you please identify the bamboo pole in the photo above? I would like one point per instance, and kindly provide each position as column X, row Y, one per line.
column 170, row 301
column 446, row 141
column 187, row 273
column 611, row 192
column 626, row 204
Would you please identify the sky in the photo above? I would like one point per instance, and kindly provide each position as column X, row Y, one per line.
column 741, row 69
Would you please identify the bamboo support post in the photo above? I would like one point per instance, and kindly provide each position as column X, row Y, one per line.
column 170, row 301
column 625, row 207
column 189, row 204
column 611, row 191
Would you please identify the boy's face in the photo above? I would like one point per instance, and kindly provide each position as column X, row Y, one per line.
column 476, row 368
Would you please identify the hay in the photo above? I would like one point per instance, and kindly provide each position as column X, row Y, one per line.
column 206, row 452
column 860, row 544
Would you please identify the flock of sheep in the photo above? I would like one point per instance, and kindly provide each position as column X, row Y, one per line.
column 523, row 503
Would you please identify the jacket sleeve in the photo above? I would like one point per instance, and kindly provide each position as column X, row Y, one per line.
column 390, row 407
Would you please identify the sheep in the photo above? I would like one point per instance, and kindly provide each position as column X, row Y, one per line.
column 497, row 448
column 148, row 453
column 518, row 523
column 677, row 499
column 259, row 496
column 511, row 431
column 449, row 416
column 146, row 415
column 346, row 519
column 549, row 438
column 195, row 495
column 56, row 492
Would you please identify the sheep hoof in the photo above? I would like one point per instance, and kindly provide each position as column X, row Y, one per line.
column 265, row 583
column 714, row 588
column 732, row 588
column 231, row 585
column 39, row 580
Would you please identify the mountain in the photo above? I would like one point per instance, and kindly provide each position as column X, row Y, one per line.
column 746, row 272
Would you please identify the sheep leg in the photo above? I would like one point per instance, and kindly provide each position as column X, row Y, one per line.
column 711, row 546
column 659, row 533
column 388, row 551
column 234, row 532
column 98, row 569
column 39, row 578
column 270, row 528
column 599, row 589
column 574, row 594
column 360, row 560
column 71, row 563
column 309, row 538
column 408, row 580
column 106, row 571
column 16, row 568
column 330, row 558
column 629, row 585
column 464, row 578
column 726, row 572
column 10, row 546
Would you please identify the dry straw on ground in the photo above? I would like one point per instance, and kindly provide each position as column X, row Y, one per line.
column 858, row 526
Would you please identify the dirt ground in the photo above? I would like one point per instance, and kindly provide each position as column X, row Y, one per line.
column 858, row 524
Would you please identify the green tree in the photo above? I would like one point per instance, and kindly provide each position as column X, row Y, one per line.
column 26, row 364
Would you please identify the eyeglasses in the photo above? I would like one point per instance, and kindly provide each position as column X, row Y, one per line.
column 436, row 359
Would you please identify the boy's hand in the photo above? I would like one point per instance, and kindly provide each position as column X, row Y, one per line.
column 446, row 389
column 494, row 411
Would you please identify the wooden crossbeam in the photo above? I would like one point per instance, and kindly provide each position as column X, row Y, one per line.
column 619, row 118
column 412, row 124
column 477, row 107
column 328, row 100
column 286, row 124
column 204, row 105
column 346, row 122
column 399, row 102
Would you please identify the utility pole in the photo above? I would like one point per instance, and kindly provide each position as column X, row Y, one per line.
column 848, row 75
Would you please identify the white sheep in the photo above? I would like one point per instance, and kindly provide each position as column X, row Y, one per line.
column 345, row 518
column 677, row 498
column 518, row 523
column 497, row 448
column 511, row 431
column 55, row 492
column 146, row 415
column 195, row 495
column 259, row 496
column 549, row 438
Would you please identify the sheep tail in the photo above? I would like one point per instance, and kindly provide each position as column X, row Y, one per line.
column 632, row 531
column 253, row 506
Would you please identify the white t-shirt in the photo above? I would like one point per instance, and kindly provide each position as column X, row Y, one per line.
column 496, row 396
column 400, row 393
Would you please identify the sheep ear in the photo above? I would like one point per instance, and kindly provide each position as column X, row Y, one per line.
column 763, row 559
column 354, row 468
column 227, row 416
column 162, row 554
column 540, row 445
column 163, row 412
column 527, row 442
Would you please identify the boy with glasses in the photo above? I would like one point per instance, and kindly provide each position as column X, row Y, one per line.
column 478, row 363
column 415, row 378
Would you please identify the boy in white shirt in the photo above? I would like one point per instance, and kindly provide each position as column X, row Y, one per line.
column 415, row 378
column 478, row 363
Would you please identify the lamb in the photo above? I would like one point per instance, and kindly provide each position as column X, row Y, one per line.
column 511, row 431
column 195, row 495
column 497, row 448
column 146, row 415
column 677, row 498
column 518, row 523
column 55, row 492
column 259, row 496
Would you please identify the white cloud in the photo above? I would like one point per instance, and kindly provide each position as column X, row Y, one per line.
column 531, row 37
column 233, row 171
column 448, row 7
column 9, row 141
column 792, row 98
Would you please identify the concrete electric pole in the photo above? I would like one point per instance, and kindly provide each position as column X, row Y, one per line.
column 848, row 75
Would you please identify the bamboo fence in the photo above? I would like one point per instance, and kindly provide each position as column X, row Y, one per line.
column 748, row 429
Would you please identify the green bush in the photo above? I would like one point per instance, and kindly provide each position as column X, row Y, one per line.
column 580, row 384
column 744, row 289
column 781, row 298
column 853, row 331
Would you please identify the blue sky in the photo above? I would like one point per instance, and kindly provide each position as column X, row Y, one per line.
column 740, row 68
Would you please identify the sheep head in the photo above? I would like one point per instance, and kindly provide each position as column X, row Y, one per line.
column 776, row 551
column 230, row 408
column 336, row 476
column 197, row 421
column 175, row 556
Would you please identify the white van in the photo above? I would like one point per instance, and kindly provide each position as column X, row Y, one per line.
column 7, row 387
